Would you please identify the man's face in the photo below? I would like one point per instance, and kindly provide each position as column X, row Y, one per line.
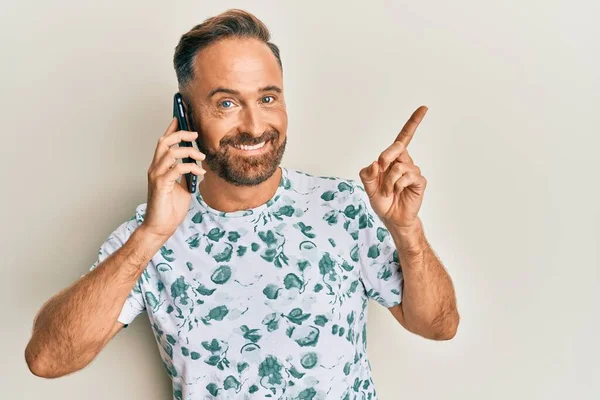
column 239, row 110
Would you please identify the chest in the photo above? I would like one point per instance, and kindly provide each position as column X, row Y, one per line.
column 212, row 274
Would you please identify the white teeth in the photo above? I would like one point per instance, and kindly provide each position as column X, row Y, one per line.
column 255, row 147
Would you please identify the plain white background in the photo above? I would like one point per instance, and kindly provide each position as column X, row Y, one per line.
column 509, row 147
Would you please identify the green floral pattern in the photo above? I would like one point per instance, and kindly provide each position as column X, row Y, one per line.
column 269, row 302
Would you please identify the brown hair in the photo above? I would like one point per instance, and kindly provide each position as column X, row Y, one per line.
column 231, row 23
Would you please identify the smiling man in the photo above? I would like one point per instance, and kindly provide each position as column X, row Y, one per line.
column 256, row 286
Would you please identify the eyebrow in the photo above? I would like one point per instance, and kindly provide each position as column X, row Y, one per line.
column 270, row 88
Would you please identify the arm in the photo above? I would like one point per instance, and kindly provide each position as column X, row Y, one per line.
column 428, row 305
column 396, row 187
column 74, row 325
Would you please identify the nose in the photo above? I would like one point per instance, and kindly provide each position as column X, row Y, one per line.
column 252, row 122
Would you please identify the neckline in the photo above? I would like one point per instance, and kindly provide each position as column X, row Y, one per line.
column 283, row 185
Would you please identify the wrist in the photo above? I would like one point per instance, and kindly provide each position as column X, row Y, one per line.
column 146, row 240
column 139, row 250
column 409, row 239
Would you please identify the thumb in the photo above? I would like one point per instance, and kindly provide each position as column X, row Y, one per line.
column 370, row 178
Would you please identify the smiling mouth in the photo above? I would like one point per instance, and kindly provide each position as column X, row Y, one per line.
column 250, row 148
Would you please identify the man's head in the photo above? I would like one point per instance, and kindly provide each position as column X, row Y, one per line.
column 231, row 78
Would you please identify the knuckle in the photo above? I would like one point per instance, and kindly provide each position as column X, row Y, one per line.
column 398, row 167
column 386, row 158
column 182, row 167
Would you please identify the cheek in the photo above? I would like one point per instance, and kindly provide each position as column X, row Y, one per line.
column 214, row 130
column 279, row 121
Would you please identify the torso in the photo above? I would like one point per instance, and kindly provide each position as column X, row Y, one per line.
column 267, row 302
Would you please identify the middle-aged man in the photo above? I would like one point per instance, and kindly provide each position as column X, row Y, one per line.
column 257, row 285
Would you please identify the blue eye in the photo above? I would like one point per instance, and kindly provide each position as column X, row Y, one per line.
column 264, row 99
column 226, row 103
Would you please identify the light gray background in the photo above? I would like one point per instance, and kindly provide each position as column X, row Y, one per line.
column 509, row 147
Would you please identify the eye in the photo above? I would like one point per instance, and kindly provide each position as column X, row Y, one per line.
column 268, row 99
column 226, row 103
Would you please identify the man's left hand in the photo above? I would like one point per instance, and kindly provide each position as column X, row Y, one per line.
column 394, row 183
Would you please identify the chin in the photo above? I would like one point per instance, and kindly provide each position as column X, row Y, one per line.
column 249, row 175
column 247, row 170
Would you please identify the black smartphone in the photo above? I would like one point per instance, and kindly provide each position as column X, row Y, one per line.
column 179, row 111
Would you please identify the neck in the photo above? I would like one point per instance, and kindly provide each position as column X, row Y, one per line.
column 226, row 197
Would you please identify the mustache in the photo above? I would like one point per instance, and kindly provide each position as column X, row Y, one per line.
column 247, row 139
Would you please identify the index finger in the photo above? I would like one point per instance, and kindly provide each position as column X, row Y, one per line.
column 408, row 130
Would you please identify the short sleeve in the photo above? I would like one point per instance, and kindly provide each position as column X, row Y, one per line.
column 379, row 264
column 134, row 304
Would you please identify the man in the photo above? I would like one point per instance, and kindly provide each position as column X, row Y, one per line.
column 257, row 285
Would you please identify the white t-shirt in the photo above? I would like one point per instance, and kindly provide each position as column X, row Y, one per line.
column 269, row 302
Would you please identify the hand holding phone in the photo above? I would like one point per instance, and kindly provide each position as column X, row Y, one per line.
column 168, row 195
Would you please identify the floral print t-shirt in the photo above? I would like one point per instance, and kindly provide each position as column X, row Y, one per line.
column 269, row 302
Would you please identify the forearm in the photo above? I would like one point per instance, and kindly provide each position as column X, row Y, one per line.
column 74, row 325
column 428, row 297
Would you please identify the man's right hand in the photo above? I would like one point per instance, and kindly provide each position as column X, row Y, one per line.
column 168, row 199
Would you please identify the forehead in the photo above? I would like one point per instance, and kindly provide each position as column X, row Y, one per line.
column 241, row 64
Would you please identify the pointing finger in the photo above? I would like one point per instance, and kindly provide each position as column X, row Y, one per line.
column 408, row 131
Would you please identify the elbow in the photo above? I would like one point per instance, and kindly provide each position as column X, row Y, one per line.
column 36, row 370
column 39, row 366
column 50, row 365
column 445, row 328
column 442, row 326
column 35, row 364
column 40, row 369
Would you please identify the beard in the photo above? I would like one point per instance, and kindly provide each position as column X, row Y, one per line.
column 242, row 170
